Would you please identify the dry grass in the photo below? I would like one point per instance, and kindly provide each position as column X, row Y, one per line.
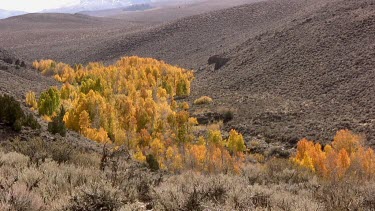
column 83, row 182
column 203, row 100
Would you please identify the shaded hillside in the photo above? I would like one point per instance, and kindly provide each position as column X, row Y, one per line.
column 310, row 77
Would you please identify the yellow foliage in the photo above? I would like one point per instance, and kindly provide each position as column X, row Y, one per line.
column 193, row 121
column 343, row 162
column 139, row 156
column 31, row 100
column 132, row 102
column 157, row 147
column 236, row 142
column 100, row 135
column 84, row 121
column 214, row 136
column 203, row 100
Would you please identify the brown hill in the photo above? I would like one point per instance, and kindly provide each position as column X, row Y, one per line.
column 58, row 36
column 80, row 38
column 309, row 77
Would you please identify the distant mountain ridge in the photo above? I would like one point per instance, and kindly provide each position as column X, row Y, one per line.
column 8, row 13
column 92, row 5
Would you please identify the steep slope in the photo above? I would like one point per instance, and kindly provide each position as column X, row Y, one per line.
column 310, row 77
column 191, row 41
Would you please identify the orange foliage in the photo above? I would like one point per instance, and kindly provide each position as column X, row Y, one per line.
column 345, row 157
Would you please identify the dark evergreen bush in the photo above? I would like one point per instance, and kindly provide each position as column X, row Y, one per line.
column 57, row 125
column 153, row 164
column 228, row 116
column 12, row 115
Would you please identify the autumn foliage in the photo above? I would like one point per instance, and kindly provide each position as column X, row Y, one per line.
column 31, row 100
column 203, row 100
column 346, row 156
column 132, row 103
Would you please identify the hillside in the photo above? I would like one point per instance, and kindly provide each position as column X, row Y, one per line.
column 58, row 35
column 186, row 41
column 310, row 77
column 69, row 33
column 17, row 78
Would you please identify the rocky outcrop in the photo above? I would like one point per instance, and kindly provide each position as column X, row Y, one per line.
column 219, row 61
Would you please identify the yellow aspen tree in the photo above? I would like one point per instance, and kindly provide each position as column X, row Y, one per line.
column 31, row 100
column 236, row 142
column 84, row 121
column 138, row 155
column 215, row 137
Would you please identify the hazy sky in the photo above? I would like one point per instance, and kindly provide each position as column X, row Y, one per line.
column 34, row 5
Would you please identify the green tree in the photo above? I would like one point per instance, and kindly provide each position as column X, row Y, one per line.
column 49, row 101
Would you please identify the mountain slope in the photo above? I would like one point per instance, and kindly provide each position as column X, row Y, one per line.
column 310, row 77
column 93, row 5
column 58, row 36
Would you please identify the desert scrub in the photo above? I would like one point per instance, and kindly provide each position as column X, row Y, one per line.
column 203, row 100
column 126, row 185
column 95, row 196
column 38, row 150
